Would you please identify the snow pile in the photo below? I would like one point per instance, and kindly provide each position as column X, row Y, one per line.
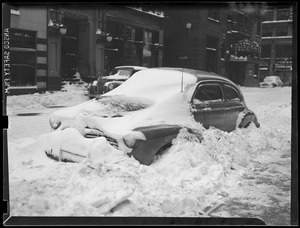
column 70, row 94
column 248, row 170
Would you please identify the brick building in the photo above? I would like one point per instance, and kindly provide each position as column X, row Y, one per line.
column 224, row 39
column 277, row 42
column 51, row 43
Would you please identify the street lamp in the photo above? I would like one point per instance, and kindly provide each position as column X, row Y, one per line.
column 188, row 26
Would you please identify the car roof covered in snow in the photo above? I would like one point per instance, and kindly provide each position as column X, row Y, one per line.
column 199, row 74
column 133, row 67
column 155, row 83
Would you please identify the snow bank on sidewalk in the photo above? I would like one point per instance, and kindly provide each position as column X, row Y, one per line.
column 70, row 94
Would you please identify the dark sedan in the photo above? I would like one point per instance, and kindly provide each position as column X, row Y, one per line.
column 143, row 115
column 116, row 77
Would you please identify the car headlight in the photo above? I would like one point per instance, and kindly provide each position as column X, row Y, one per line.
column 54, row 124
column 131, row 140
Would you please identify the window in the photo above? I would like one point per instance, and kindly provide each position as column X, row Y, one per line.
column 267, row 31
column 130, row 51
column 209, row 92
column 23, row 57
column 22, row 38
column 214, row 13
column 283, row 14
column 230, row 93
column 212, row 54
column 281, row 31
column 284, row 51
column 268, row 15
column 266, row 51
column 146, row 50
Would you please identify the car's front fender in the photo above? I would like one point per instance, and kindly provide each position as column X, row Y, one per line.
column 157, row 136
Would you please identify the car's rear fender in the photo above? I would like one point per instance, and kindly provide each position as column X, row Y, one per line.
column 248, row 118
column 157, row 136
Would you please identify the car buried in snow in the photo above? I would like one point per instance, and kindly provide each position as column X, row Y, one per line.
column 271, row 81
column 116, row 77
column 143, row 115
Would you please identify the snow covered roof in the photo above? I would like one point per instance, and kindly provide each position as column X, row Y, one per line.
column 134, row 67
column 156, row 83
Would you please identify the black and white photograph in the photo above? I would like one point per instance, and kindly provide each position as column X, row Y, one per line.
column 184, row 112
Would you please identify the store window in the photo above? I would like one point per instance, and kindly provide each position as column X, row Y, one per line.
column 23, row 57
column 130, row 49
column 147, row 54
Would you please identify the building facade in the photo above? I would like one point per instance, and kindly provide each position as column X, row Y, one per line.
column 49, row 44
column 224, row 39
column 277, row 42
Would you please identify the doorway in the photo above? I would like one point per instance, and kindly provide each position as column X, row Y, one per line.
column 69, row 50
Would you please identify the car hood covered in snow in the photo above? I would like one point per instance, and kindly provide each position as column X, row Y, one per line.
column 149, row 97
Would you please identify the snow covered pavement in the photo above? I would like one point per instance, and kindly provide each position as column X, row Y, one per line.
column 247, row 170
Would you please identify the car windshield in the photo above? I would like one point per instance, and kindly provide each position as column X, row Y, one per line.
column 122, row 72
column 122, row 104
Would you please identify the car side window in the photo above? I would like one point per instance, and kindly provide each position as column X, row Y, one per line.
column 208, row 92
column 231, row 94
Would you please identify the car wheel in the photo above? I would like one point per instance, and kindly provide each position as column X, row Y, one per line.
column 273, row 85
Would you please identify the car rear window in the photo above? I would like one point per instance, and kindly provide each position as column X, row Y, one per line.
column 209, row 92
column 230, row 93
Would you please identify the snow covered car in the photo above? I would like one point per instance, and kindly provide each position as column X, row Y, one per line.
column 143, row 115
column 116, row 77
column 271, row 81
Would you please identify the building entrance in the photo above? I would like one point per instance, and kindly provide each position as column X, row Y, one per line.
column 69, row 50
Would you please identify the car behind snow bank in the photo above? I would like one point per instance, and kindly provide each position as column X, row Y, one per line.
column 116, row 77
column 143, row 115
column 271, row 81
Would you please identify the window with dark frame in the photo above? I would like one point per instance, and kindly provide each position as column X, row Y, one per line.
column 267, row 31
column 209, row 92
column 268, row 15
column 230, row 94
column 23, row 57
column 283, row 14
column 284, row 51
column 282, row 30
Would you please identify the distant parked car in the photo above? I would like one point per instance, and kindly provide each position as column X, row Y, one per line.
column 271, row 81
column 116, row 77
column 142, row 116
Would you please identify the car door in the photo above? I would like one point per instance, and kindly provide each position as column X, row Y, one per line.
column 233, row 104
column 208, row 105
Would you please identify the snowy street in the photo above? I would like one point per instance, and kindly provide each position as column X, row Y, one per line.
column 247, row 171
